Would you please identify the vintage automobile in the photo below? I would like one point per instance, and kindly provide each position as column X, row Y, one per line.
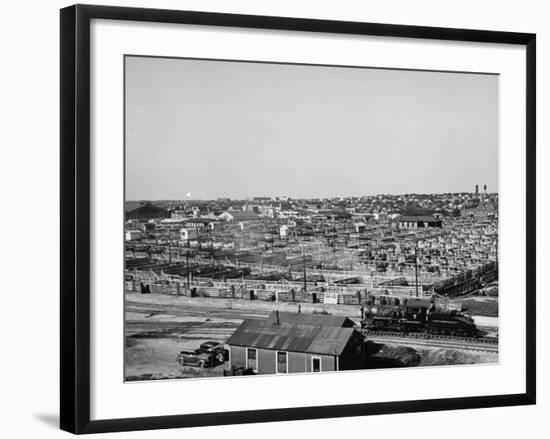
column 209, row 354
column 216, row 348
column 195, row 358
column 211, row 346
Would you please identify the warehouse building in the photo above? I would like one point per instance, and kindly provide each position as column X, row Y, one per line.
column 296, row 343
column 417, row 222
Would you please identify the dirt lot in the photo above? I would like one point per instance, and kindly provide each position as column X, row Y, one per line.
column 155, row 358
column 157, row 332
column 158, row 327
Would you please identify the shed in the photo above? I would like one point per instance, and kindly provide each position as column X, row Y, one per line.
column 294, row 343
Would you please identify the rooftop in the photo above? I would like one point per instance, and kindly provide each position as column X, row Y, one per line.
column 311, row 319
column 292, row 337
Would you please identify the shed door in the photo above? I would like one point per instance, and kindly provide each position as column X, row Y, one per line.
column 315, row 364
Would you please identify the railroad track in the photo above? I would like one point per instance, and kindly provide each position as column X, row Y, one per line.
column 483, row 344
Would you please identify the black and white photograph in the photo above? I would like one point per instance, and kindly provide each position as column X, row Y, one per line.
column 295, row 218
column 275, row 219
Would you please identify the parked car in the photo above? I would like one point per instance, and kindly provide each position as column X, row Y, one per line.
column 215, row 348
column 209, row 354
column 195, row 358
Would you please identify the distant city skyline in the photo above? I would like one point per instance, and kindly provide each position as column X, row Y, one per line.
column 202, row 130
column 251, row 198
column 282, row 197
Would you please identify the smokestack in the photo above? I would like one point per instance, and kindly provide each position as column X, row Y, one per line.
column 485, row 188
column 477, row 189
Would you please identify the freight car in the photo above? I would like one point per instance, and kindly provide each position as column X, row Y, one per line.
column 417, row 315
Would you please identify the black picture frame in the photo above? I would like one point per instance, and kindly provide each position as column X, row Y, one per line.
column 75, row 217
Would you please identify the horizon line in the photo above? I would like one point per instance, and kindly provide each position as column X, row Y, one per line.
column 305, row 198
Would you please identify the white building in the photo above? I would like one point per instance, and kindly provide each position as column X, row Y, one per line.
column 133, row 235
column 187, row 235
column 360, row 227
column 284, row 231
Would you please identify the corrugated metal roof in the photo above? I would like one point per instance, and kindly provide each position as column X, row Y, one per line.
column 311, row 319
column 267, row 334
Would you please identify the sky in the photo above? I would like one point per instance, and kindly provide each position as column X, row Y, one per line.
column 203, row 129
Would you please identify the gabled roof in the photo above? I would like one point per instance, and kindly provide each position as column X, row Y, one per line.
column 265, row 334
column 311, row 319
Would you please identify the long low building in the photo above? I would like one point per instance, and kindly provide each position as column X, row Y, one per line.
column 416, row 222
column 296, row 343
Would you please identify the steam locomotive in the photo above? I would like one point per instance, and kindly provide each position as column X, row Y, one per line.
column 417, row 315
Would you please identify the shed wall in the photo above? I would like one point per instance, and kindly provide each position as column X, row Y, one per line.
column 238, row 357
column 297, row 362
column 266, row 361
column 328, row 362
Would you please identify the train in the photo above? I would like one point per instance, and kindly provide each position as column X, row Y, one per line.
column 417, row 315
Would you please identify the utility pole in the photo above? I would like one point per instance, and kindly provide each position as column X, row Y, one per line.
column 333, row 235
column 416, row 268
column 496, row 255
column 169, row 245
column 187, row 269
column 304, row 261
